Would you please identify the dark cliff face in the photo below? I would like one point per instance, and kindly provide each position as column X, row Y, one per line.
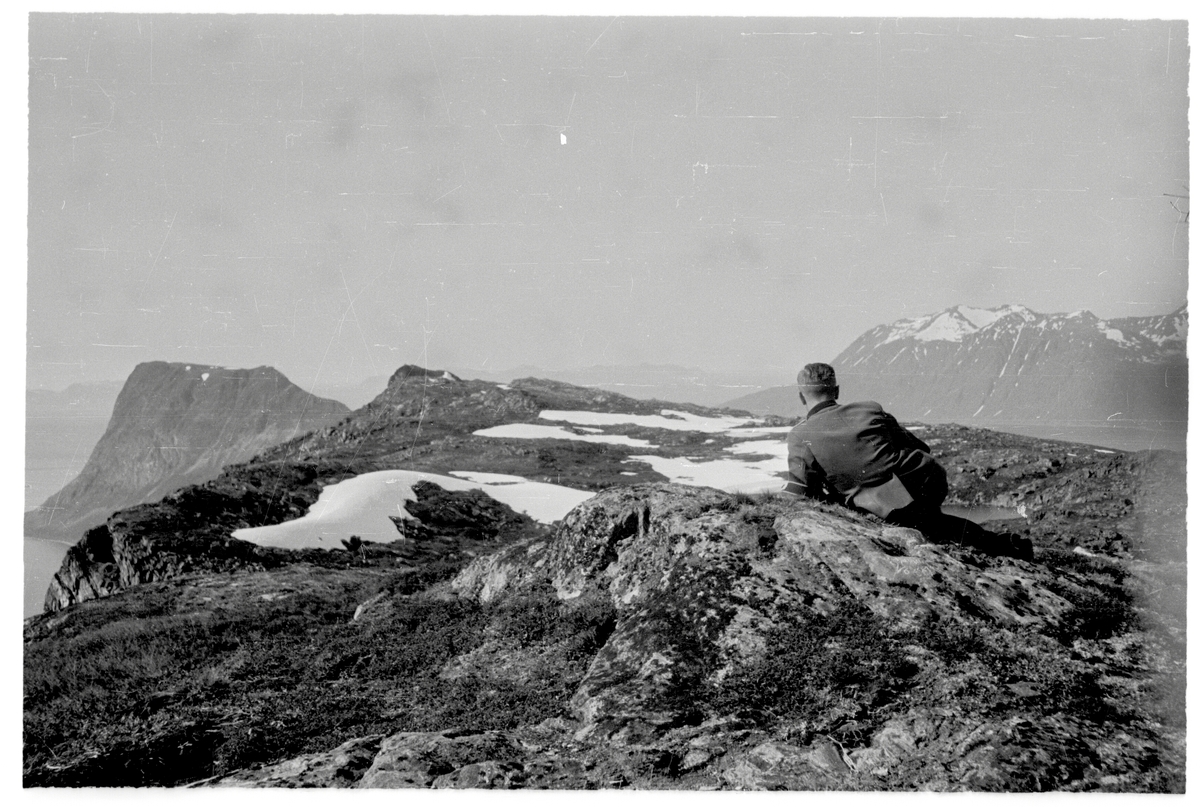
column 175, row 425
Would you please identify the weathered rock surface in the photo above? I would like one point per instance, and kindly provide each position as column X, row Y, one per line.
column 341, row 767
column 705, row 589
column 179, row 424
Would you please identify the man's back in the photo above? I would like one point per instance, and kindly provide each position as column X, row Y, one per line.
column 852, row 446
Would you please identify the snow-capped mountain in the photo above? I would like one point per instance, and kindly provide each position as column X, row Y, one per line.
column 1143, row 339
column 1013, row 365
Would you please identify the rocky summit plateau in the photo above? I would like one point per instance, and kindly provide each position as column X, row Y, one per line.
column 546, row 587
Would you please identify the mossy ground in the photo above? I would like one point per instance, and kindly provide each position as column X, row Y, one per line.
column 137, row 692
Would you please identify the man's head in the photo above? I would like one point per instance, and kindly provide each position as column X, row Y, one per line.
column 817, row 383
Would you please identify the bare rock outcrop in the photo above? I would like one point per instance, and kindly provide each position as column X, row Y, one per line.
column 687, row 572
column 776, row 644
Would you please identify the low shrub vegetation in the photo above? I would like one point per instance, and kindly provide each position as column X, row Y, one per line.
column 154, row 697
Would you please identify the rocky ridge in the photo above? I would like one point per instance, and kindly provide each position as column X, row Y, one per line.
column 424, row 420
column 659, row 636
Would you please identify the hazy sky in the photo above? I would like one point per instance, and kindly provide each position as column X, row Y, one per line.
column 335, row 196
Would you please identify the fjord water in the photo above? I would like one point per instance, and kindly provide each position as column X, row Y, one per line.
column 42, row 559
column 1125, row 435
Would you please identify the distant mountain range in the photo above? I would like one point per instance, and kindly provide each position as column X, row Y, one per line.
column 1011, row 365
column 355, row 394
column 663, row 382
column 178, row 424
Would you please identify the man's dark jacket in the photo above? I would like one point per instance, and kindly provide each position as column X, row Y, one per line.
column 842, row 448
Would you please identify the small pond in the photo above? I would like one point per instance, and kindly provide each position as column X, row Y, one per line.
column 980, row 514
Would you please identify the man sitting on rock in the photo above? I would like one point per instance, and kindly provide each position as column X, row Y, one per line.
column 857, row 455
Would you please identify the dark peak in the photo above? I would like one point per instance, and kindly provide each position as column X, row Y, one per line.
column 184, row 378
column 422, row 374
column 557, row 388
column 552, row 394
column 195, row 370
column 161, row 367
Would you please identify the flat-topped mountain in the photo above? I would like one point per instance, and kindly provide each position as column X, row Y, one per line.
column 177, row 424
column 668, row 382
column 1011, row 365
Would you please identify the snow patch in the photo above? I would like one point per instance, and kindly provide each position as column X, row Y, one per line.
column 728, row 475
column 1116, row 335
column 669, row 419
column 776, row 448
column 361, row 506
column 980, row 317
column 541, row 501
column 204, row 376
column 945, row 327
column 755, row 431
column 357, row 506
column 535, row 431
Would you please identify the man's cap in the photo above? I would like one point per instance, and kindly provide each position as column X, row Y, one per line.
column 817, row 376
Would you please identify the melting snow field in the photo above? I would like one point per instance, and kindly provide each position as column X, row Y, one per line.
column 728, row 475
column 725, row 474
column 747, row 476
column 669, row 419
column 361, row 506
column 533, row 431
column 541, row 501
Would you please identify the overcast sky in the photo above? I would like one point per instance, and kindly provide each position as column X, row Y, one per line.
column 336, row 196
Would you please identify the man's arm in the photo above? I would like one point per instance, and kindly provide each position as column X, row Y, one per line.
column 906, row 438
column 806, row 477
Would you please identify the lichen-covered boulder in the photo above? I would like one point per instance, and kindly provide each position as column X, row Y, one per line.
column 699, row 583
